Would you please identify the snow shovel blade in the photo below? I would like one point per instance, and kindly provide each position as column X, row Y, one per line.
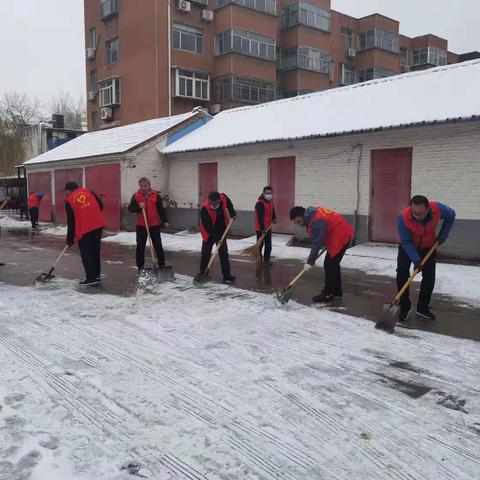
column 283, row 296
column 165, row 273
column 44, row 277
column 201, row 279
column 388, row 318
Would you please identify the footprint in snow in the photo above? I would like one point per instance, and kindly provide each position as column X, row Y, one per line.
column 14, row 398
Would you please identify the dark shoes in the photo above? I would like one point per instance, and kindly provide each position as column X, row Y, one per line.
column 228, row 279
column 323, row 298
column 90, row 283
column 267, row 263
column 404, row 313
column 425, row 312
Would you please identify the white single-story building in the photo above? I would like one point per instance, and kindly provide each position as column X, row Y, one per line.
column 110, row 162
column 362, row 150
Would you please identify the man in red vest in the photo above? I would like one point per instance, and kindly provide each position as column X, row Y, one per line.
column 327, row 228
column 85, row 224
column 264, row 218
column 150, row 201
column 33, row 201
column 417, row 229
column 215, row 215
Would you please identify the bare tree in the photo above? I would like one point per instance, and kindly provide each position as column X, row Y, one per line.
column 19, row 110
column 75, row 113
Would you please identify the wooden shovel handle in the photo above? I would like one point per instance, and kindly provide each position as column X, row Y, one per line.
column 152, row 252
column 2, row 206
column 415, row 273
column 62, row 253
column 262, row 237
column 302, row 271
column 219, row 244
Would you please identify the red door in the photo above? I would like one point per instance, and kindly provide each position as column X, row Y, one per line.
column 391, row 190
column 207, row 180
column 41, row 182
column 61, row 178
column 282, row 180
column 104, row 180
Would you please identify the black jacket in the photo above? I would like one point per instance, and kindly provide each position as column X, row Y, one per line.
column 216, row 230
column 134, row 208
column 71, row 218
column 260, row 209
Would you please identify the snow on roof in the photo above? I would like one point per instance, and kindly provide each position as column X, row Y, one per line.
column 110, row 141
column 428, row 96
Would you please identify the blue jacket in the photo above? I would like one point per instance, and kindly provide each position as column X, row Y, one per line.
column 448, row 217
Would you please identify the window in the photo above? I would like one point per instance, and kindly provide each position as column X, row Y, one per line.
column 266, row 6
column 306, row 58
column 93, row 37
column 348, row 74
column 108, row 9
column 404, row 60
column 306, row 14
column 112, row 50
column 379, row 39
column 243, row 89
column 348, row 38
column 374, row 73
column 187, row 38
column 93, row 80
column 94, row 120
column 248, row 43
column 109, row 92
column 429, row 55
column 191, row 84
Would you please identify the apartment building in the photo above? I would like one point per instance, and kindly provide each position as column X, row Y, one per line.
column 158, row 58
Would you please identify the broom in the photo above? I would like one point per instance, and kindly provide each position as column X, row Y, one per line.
column 254, row 250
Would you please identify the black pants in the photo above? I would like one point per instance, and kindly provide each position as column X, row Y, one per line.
column 33, row 216
column 333, row 275
column 89, row 246
column 266, row 245
column 428, row 276
column 142, row 241
column 222, row 253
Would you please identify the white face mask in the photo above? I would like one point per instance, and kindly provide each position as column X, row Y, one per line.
column 268, row 197
column 214, row 208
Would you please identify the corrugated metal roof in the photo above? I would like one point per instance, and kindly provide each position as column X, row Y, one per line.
column 429, row 96
column 111, row 141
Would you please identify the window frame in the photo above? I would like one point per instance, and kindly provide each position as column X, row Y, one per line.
column 238, row 88
column 379, row 38
column 109, row 50
column 111, row 88
column 181, row 30
column 92, row 35
column 244, row 42
column 193, row 77
column 243, row 3
column 307, row 14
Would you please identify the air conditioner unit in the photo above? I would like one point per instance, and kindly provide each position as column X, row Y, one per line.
column 107, row 113
column 90, row 53
column 351, row 52
column 91, row 95
column 207, row 15
column 215, row 108
column 184, row 6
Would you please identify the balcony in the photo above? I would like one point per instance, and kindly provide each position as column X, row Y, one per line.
column 264, row 6
column 108, row 9
column 305, row 58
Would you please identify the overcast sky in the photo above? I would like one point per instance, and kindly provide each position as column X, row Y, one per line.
column 42, row 44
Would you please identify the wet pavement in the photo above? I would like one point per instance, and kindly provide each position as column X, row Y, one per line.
column 27, row 254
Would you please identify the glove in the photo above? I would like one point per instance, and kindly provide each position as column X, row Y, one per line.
column 418, row 265
column 307, row 267
column 441, row 240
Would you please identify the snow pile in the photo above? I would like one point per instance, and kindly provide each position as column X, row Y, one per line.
column 60, row 230
column 10, row 222
column 217, row 383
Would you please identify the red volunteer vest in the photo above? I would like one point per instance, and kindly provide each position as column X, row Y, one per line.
column 33, row 201
column 87, row 213
column 423, row 236
column 150, row 202
column 213, row 215
column 268, row 214
column 339, row 231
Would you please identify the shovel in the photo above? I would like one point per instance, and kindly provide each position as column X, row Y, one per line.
column 389, row 316
column 203, row 278
column 162, row 274
column 45, row 277
column 254, row 250
column 283, row 296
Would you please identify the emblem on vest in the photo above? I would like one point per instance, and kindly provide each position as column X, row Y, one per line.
column 82, row 199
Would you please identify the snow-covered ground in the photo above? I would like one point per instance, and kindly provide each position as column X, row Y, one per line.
column 219, row 383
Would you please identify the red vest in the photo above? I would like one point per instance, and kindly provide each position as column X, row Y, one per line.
column 87, row 213
column 33, row 200
column 423, row 236
column 213, row 215
column 267, row 216
column 339, row 231
column 150, row 202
